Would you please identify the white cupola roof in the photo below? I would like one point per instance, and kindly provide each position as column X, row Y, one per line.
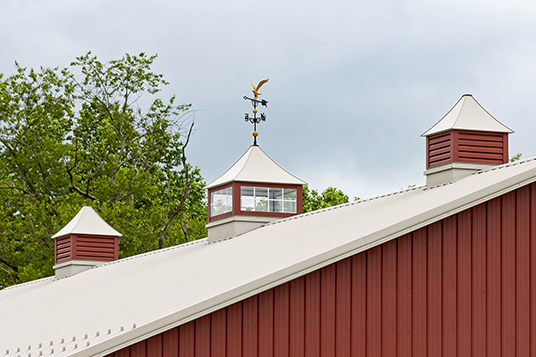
column 256, row 166
column 87, row 221
column 468, row 114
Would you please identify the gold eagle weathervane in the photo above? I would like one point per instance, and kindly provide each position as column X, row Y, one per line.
column 256, row 89
column 255, row 102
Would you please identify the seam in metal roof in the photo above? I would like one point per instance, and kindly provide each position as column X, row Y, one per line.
column 468, row 114
column 160, row 290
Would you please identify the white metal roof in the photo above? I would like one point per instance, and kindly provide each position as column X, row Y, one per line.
column 256, row 166
column 119, row 303
column 468, row 114
column 87, row 221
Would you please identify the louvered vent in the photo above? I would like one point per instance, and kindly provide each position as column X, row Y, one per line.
column 483, row 148
column 439, row 149
column 95, row 248
column 63, row 249
column 86, row 247
column 467, row 146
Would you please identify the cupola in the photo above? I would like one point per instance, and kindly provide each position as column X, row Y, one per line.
column 466, row 140
column 253, row 192
column 86, row 241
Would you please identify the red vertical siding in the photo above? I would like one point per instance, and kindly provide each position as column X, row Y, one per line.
column 343, row 306
column 404, row 292
column 388, row 299
column 419, row 290
column 327, row 310
column 359, row 347
column 312, row 314
column 282, row 320
column 464, row 286
column 374, row 301
column 449, row 289
column 187, row 340
column 234, row 330
column 297, row 318
column 478, row 281
column 435, row 290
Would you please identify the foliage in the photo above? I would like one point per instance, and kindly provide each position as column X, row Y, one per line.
column 79, row 136
column 516, row 157
column 312, row 200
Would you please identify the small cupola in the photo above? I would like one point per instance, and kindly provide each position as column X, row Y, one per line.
column 86, row 241
column 254, row 191
column 466, row 140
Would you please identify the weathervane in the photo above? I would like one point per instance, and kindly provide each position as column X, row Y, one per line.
column 255, row 102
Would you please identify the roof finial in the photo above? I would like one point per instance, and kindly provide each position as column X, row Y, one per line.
column 255, row 102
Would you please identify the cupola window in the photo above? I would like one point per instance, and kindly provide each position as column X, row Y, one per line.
column 221, row 201
column 268, row 199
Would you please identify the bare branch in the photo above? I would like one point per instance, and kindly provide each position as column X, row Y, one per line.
column 163, row 235
column 73, row 186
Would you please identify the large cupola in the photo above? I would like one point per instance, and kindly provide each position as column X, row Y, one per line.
column 466, row 140
column 254, row 191
column 86, row 241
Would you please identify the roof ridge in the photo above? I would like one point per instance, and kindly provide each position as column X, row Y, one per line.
column 27, row 283
column 327, row 209
column 157, row 251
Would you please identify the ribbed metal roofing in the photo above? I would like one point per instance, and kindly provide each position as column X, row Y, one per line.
column 468, row 114
column 87, row 221
column 116, row 304
column 256, row 166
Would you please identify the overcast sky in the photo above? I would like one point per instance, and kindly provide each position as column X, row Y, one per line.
column 353, row 84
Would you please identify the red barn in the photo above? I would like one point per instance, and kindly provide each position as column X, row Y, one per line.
column 445, row 269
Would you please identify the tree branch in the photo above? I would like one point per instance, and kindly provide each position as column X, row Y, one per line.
column 73, row 186
column 163, row 235
column 12, row 266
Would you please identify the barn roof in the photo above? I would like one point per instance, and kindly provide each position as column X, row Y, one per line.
column 468, row 114
column 256, row 166
column 119, row 303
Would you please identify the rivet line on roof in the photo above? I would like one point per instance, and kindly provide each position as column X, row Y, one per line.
column 29, row 283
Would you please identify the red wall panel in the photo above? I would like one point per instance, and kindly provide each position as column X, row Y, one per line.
column 463, row 286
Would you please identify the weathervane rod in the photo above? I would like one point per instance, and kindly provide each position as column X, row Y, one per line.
column 255, row 102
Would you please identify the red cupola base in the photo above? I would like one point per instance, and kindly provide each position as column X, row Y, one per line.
column 466, row 146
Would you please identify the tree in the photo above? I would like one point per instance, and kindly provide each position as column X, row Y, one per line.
column 80, row 136
column 516, row 157
column 331, row 196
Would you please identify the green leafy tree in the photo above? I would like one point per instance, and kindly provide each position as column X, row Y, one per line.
column 516, row 157
column 80, row 136
column 312, row 200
